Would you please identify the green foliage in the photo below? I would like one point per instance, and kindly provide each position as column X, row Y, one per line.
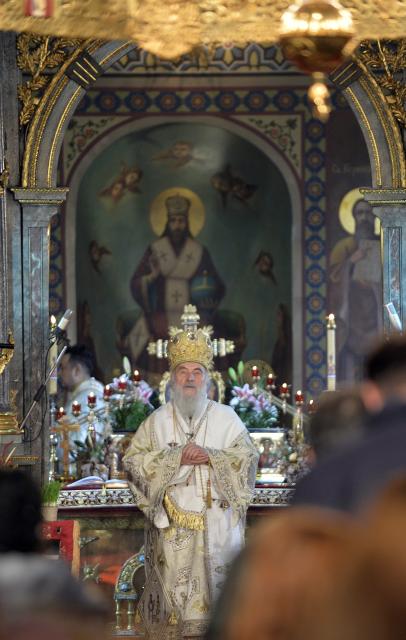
column 267, row 418
column 129, row 417
column 236, row 375
column 83, row 452
column 50, row 492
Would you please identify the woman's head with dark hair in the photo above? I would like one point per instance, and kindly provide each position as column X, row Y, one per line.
column 20, row 512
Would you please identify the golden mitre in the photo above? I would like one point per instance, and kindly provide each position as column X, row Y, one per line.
column 190, row 346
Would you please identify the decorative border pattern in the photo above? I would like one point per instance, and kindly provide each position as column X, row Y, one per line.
column 253, row 58
column 102, row 498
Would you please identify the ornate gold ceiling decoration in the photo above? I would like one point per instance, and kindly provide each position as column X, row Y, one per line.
column 387, row 61
column 36, row 57
column 172, row 28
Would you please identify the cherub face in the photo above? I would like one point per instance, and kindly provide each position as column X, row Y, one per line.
column 116, row 190
column 181, row 149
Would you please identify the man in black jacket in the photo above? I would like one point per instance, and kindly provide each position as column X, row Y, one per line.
column 350, row 479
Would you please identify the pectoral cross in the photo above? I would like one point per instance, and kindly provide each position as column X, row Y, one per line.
column 189, row 434
column 64, row 429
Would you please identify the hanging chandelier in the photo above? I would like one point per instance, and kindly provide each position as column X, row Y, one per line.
column 317, row 35
column 175, row 27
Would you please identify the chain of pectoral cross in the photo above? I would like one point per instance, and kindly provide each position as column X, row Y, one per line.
column 192, row 433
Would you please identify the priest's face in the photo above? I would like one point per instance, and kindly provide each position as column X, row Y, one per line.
column 189, row 387
column 190, row 377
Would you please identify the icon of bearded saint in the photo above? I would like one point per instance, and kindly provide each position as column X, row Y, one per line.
column 176, row 269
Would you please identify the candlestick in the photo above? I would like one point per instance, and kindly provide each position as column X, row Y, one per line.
column 53, row 456
column 53, row 355
column 284, row 395
column 331, row 352
column 91, row 430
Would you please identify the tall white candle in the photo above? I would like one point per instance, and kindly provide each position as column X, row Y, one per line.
column 331, row 352
column 53, row 355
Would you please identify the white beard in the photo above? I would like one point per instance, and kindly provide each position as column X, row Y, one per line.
column 189, row 406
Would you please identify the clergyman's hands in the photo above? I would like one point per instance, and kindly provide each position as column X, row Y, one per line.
column 193, row 454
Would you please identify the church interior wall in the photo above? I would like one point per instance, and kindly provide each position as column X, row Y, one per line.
column 318, row 163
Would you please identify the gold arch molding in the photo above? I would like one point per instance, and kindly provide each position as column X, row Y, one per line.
column 381, row 131
column 54, row 111
column 57, row 105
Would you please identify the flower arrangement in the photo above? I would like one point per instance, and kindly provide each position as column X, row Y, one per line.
column 252, row 404
column 293, row 458
column 130, row 404
column 253, row 407
column 288, row 455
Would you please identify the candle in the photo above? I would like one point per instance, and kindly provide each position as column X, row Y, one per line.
column 299, row 398
column 76, row 408
column 136, row 376
column 91, row 400
column 53, row 355
column 284, row 390
column 60, row 413
column 107, row 392
column 331, row 352
column 122, row 385
column 270, row 381
column 255, row 372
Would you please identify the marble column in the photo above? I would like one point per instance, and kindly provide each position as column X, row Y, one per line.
column 37, row 208
column 10, row 380
column 389, row 205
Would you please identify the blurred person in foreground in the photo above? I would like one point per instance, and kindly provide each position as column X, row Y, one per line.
column 350, row 479
column 338, row 422
column 39, row 598
column 291, row 580
column 312, row 574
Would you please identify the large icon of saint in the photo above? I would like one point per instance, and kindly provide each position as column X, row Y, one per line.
column 176, row 269
column 355, row 274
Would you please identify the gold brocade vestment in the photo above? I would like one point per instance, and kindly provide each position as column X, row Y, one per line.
column 188, row 561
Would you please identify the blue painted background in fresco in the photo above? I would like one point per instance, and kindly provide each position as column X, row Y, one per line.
column 234, row 234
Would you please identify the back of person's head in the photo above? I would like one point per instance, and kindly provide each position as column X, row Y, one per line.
column 287, row 578
column 385, row 365
column 20, row 512
column 38, row 594
column 80, row 354
column 337, row 421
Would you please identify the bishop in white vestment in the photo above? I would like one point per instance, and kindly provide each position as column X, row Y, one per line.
column 192, row 468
